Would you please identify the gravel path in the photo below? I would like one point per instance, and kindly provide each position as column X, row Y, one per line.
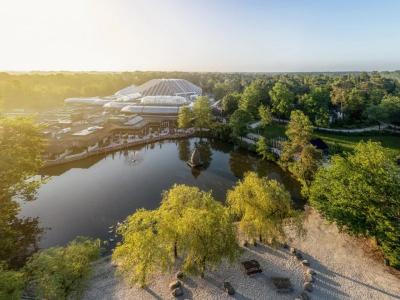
column 343, row 271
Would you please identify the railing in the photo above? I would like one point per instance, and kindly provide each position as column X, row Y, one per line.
column 104, row 150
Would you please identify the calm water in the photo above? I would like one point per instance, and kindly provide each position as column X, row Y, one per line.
column 86, row 197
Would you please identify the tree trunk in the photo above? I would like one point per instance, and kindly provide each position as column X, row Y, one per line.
column 176, row 249
column 203, row 267
column 260, row 238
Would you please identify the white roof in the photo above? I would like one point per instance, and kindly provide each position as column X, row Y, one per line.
column 128, row 97
column 163, row 100
column 115, row 104
column 141, row 109
column 134, row 121
column 132, row 89
column 87, row 131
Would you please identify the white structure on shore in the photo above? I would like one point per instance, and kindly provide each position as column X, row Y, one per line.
column 157, row 96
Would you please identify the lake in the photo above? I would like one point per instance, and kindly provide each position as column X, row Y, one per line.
column 87, row 197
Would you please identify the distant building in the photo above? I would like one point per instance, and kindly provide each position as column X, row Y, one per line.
column 155, row 97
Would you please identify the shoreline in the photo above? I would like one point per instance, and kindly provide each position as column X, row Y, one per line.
column 109, row 149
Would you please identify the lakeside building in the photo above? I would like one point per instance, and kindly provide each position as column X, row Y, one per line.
column 166, row 94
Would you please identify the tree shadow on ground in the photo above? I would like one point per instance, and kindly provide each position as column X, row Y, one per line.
column 324, row 279
column 261, row 249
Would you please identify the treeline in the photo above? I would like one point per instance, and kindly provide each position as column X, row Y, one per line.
column 319, row 95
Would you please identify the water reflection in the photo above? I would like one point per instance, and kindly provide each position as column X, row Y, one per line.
column 97, row 192
column 19, row 236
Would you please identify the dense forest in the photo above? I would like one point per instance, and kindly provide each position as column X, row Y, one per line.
column 348, row 98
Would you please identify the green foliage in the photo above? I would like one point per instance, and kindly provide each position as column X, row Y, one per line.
column 387, row 111
column 230, row 103
column 61, row 272
column 306, row 165
column 20, row 158
column 299, row 132
column 184, row 117
column 239, row 123
column 143, row 250
column 316, row 106
column 189, row 222
column 253, row 96
column 202, row 113
column 12, row 284
column 263, row 206
column 265, row 115
column 264, row 150
column 360, row 192
column 282, row 99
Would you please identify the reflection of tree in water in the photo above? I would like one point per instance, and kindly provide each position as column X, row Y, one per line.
column 19, row 236
column 205, row 153
column 218, row 145
column 241, row 163
column 21, row 147
column 184, row 149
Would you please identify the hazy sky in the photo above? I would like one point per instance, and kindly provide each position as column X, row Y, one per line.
column 202, row 35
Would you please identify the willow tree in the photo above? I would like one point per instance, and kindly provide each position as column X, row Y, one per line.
column 174, row 203
column 142, row 251
column 263, row 206
column 208, row 237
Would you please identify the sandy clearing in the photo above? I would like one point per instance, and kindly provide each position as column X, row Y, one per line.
column 344, row 271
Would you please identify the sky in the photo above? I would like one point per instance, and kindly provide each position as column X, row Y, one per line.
column 202, row 35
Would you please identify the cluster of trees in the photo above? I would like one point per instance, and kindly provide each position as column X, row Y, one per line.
column 55, row 273
column 201, row 117
column 192, row 225
column 318, row 95
column 360, row 192
column 345, row 99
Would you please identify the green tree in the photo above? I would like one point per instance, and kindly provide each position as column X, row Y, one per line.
column 230, row 103
column 143, row 250
column 263, row 206
column 20, row 159
column 173, row 205
column 360, row 192
column 184, row 117
column 316, row 105
column 253, row 96
column 282, row 99
column 239, row 123
column 262, row 148
column 306, row 166
column 387, row 111
column 202, row 113
column 12, row 283
column 299, row 132
column 265, row 115
column 61, row 272
column 209, row 237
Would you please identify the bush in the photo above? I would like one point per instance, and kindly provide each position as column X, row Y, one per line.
column 11, row 283
column 61, row 272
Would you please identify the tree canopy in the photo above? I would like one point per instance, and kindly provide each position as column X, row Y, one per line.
column 20, row 158
column 202, row 113
column 184, row 117
column 360, row 192
column 190, row 224
column 61, row 272
column 263, row 206
column 239, row 123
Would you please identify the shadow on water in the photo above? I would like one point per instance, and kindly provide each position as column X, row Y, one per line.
column 86, row 197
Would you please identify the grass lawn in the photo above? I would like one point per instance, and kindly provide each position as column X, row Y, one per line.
column 345, row 141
